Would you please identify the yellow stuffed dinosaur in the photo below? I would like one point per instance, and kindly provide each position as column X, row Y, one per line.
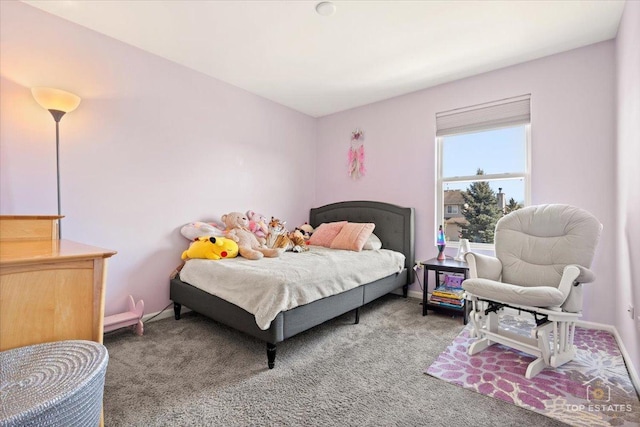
column 211, row 248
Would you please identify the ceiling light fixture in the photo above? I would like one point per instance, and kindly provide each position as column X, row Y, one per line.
column 326, row 8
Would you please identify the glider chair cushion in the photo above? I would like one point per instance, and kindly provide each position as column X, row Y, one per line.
column 539, row 296
column 543, row 255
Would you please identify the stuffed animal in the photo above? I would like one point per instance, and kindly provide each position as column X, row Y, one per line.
column 248, row 244
column 280, row 238
column 298, row 240
column 211, row 248
column 257, row 224
column 193, row 230
column 306, row 230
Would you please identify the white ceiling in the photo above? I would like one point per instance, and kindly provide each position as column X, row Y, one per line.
column 366, row 52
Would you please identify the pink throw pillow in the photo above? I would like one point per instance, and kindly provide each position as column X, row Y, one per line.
column 353, row 236
column 325, row 233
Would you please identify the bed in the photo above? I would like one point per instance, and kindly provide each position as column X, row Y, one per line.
column 394, row 225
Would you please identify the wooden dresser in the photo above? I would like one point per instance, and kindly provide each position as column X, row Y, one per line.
column 50, row 289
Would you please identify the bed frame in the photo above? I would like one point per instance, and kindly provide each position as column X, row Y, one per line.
column 394, row 227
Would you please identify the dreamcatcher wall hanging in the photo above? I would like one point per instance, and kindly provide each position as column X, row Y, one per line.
column 356, row 155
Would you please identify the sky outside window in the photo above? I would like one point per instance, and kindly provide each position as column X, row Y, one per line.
column 494, row 151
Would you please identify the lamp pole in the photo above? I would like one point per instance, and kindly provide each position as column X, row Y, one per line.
column 57, row 115
column 58, row 103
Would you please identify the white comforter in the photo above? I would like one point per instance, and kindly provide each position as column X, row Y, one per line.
column 271, row 285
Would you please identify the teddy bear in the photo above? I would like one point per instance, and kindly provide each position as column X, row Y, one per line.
column 211, row 248
column 257, row 224
column 248, row 244
column 306, row 230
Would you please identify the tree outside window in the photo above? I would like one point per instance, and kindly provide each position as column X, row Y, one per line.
column 481, row 211
column 497, row 184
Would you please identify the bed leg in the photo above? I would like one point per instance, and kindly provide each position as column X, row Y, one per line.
column 271, row 355
column 176, row 310
column 405, row 291
column 357, row 315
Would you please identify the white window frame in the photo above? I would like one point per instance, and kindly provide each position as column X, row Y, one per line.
column 441, row 182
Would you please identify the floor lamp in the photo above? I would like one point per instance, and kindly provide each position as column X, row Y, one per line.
column 58, row 103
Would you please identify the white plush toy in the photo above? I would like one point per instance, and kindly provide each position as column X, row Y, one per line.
column 193, row 230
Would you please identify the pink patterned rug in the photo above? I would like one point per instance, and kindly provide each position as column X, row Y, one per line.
column 592, row 390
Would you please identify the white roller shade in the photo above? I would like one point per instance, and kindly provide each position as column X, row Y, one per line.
column 506, row 112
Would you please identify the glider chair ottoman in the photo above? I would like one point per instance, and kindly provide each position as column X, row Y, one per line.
column 543, row 255
column 54, row 384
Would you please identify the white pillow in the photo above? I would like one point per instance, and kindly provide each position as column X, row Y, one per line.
column 196, row 229
column 373, row 242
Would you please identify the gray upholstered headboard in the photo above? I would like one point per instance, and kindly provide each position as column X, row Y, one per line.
column 394, row 224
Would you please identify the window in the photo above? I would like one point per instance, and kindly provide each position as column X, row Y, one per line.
column 483, row 167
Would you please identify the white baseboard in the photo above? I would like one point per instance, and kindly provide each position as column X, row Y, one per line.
column 159, row 315
column 414, row 294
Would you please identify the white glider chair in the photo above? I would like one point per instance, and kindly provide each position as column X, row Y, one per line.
column 543, row 255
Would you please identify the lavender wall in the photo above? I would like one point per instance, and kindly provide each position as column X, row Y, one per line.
column 573, row 148
column 152, row 146
column 627, row 289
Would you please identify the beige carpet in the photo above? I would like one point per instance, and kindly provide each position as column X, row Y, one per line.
column 195, row 372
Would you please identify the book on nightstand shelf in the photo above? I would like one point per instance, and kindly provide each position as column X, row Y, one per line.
column 447, row 301
column 445, row 292
column 450, row 294
column 447, row 305
column 443, row 295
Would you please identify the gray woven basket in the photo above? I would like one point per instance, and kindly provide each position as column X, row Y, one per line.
column 53, row 384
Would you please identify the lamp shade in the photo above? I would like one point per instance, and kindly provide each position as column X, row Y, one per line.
column 55, row 99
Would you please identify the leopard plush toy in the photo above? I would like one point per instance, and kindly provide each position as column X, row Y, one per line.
column 279, row 238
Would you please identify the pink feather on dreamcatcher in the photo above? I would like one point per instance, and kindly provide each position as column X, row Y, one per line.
column 356, row 155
